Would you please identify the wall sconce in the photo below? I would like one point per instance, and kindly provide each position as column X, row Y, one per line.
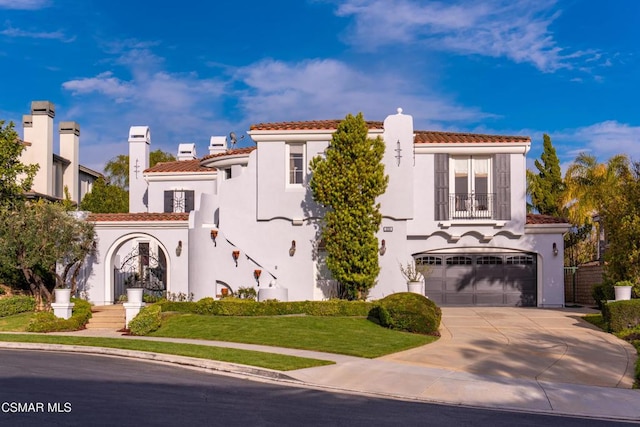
column 292, row 249
column 235, row 255
column 555, row 249
column 179, row 248
column 214, row 234
column 256, row 274
column 383, row 247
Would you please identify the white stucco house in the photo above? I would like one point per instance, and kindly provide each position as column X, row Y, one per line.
column 245, row 217
column 60, row 170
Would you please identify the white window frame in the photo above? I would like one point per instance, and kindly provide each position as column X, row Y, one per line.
column 472, row 204
column 289, row 172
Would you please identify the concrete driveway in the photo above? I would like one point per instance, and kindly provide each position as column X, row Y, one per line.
column 550, row 345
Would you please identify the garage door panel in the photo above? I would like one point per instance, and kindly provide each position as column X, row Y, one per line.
column 490, row 299
column 458, row 298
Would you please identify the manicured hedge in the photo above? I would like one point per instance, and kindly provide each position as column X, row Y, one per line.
column 46, row 321
column 621, row 315
column 409, row 312
column 147, row 321
column 16, row 304
column 243, row 307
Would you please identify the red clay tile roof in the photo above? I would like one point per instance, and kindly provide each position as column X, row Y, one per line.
column 171, row 216
column 308, row 125
column 233, row 152
column 178, row 166
column 536, row 219
column 431, row 137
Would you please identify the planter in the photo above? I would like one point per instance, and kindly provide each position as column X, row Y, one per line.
column 62, row 296
column 622, row 292
column 415, row 287
column 134, row 295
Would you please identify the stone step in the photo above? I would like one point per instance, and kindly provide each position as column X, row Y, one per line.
column 107, row 317
column 105, row 325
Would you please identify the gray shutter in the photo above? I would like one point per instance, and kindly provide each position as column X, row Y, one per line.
column 168, row 201
column 502, row 176
column 441, row 180
column 189, row 200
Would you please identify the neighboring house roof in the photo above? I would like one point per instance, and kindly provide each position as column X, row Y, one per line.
column 308, row 125
column 178, row 166
column 91, row 172
column 432, row 137
column 545, row 219
column 232, row 152
column 145, row 216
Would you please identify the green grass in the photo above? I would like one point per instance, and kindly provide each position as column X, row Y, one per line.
column 277, row 362
column 596, row 320
column 15, row 323
column 342, row 335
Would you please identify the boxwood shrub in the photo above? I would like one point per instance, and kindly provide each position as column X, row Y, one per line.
column 147, row 321
column 621, row 315
column 16, row 304
column 46, row 321
column 407, row 311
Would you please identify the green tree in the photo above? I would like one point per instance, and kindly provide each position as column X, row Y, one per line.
column 105, row 198
column 16, row 178
column 35, row 236
column 347, row 182
column 546, row 187
column 117, row 169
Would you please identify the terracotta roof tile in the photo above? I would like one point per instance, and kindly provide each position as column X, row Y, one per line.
column 308, row 125
column 431, row 137
column 545, row 219
column 233, row 152
column 178, row 166
column 144, row 216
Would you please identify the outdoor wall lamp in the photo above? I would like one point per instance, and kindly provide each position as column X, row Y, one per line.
column 292, row 249
column 555, row 249
column 214, row 234
column 383, row 247
column 179, row 248
column 235, row 255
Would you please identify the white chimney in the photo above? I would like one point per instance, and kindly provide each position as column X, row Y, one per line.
column 217, row 144
column 70, row 150
column 38, row 130
column 187, row 151
column 139, row 141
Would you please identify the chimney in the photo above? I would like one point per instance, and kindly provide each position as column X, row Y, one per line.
column 217, row 144
column 70, row 150
column 139, row 141
column 38, row 130
column 187, row 151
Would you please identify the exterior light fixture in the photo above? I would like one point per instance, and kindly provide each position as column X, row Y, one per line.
column 257, row 273
column 179, row 248
column 235, row 255
column 555, row 249
column 292, row 249
column 383, row 247
column 214, row 234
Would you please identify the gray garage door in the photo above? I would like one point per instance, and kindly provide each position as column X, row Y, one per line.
column 504, row 279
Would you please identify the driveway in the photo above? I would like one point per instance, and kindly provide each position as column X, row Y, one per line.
column 549, row 345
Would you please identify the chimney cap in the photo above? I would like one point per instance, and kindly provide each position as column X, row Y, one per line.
column 40, row 108
column 70, row 127
column 140, row 133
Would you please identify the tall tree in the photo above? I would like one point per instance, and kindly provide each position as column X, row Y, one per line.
column 546, row 187
column 105, row 198
column 16, row 178
column 117, row 169
column 347, row 182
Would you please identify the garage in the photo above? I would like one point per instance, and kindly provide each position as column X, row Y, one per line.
column 482, row 279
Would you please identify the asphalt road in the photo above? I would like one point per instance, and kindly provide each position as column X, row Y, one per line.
column 48, row 388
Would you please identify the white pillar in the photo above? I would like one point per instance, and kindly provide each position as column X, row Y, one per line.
column 70, row 150
column 139, row 141
column 38, row 132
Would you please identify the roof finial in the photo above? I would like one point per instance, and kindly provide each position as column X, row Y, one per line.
column 399, row 110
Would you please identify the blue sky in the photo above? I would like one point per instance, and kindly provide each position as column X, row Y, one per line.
column 190, row 70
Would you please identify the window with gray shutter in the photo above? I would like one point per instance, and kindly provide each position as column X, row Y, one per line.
column 189, row 196
column 441, row 180
column 502, row 174
column 168, row 201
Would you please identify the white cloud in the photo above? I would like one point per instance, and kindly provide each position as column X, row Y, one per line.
column 517, row 30
column 51, row 35
column 24, row 4
column 603, row 140
column 103, row 83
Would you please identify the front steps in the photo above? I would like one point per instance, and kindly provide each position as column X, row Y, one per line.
column 107, row 317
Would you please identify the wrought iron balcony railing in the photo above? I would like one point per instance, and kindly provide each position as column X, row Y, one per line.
column 471, row 206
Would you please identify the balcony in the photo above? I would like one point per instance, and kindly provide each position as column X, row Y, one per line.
column 471, row 206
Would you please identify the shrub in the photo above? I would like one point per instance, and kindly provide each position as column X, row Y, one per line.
column 147, row 321
column 602, row 293
column 621, row 315
column 16, row 304
column 48, row 322
column 407, row 311
column 247, row 293
column 2, row 291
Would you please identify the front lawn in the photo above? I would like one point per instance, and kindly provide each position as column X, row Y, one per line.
column 15, row 323
column 352, row 336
